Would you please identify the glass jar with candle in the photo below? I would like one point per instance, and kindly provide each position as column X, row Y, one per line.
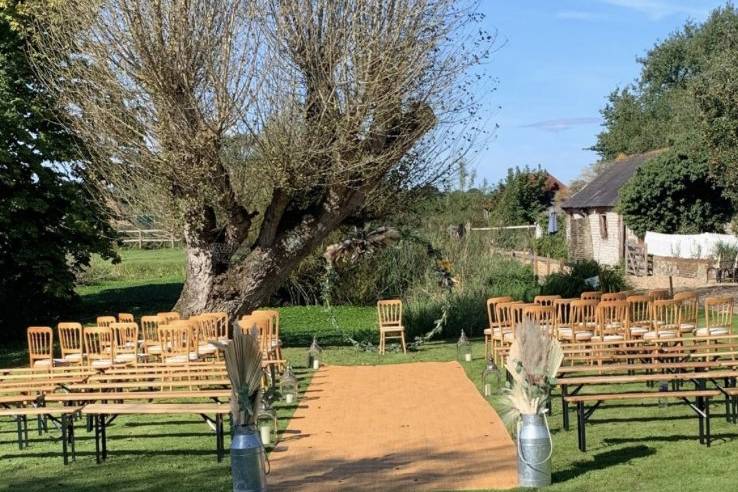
column 266, row 422
column 314, row 355
column 490, row 377
column 463, row 348
column 289, row 386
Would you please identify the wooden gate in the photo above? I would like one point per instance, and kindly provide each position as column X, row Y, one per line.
column 637, row 261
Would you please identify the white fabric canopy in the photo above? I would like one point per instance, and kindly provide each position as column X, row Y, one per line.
column 686, row 245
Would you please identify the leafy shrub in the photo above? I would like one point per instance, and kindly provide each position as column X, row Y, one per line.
column 573, row 282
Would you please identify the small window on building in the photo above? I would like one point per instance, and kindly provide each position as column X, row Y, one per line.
column 603, row 226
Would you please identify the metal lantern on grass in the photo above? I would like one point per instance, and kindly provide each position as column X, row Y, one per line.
column 463, row 348
column 314, row 355
column 289, row 386
column 490, row 377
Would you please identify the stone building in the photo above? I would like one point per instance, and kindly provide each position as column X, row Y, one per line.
column 594, row 229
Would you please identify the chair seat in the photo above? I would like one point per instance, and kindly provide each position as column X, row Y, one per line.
column 73, row 358
column 207, row 348
column 392, row 328
column 687, row 327
column 580, row 335
column 508, row 336
column 176, row 359
column 713, row 331
column 154, row 349
column 608, row 338
column 638, row 330
column 125, row 358
column 660, row 334
column 102, row 363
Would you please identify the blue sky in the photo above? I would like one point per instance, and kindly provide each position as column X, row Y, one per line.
column 557, row 62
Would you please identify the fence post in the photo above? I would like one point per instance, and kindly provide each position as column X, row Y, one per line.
column 140, row 239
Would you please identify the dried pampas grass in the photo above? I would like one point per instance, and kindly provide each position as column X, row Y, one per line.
column 533, row 361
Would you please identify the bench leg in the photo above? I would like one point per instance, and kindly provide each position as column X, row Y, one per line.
column 103, row 437
column 65, row 436
column 707, row 422
column 19, row 420
column 565, row 407
column 581, row 421
column 70, row 433
column 219, row 436
column 701, row 418
column 97, row 438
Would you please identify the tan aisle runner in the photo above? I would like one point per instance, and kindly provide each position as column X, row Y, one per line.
column 394, row 427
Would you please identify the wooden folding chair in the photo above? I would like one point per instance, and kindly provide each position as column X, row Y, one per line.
column 688, row 311
column 613, row 296
column 168, row 317
column 99, row 347
column 610, row 319
column 542, row 315
column 71, row 342
column 175, row 339
column 125, row 338
column 546, row 300
column 206, row 326
column 222, row 325
column 105, row 321
column 150, row 335
column 125, row 318
column 665, row 316
column 562, row 315
column 389, row 313
column 658, row 294
column 40, row 346
column 581, row 321
column 495, row 329
column 591, row 295
column 639, row 315
column 718, row 317
column 276, row 343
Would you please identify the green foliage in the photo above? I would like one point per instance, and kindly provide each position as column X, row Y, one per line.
column 687, row 92
column 49, row 225
column 520, row 197
column 300, row 323
column 573, row 283
column 673, row 193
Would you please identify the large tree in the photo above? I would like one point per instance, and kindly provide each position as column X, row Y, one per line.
column 260, row 126
column 49, row 226
column 673, row 193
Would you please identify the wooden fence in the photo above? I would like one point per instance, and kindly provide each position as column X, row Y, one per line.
column 542, row 266
column 139, row 237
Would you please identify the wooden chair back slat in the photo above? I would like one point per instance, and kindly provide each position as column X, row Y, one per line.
column 591, row 295
column 70, row 338
column 492, row 303
column 99, row 346
column 105, row 321
column 546, row 300
column 125, row 318
column 389, row 313
column 719, row 312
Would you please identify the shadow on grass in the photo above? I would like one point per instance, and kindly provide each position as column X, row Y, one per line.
column 137, row 299
column 601, row 461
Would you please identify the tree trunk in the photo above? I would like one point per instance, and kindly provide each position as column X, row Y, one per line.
column 213, row 283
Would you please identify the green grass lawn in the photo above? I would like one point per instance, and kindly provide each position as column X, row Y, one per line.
column 631, row 446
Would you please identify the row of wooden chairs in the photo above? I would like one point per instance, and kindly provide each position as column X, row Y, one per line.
column 120, row 341
column 611, row 318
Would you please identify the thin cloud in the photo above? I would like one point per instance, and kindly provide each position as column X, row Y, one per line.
column 578, row 15
column 659, row 9
column 562, row 124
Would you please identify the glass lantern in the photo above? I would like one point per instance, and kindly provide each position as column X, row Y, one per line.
column 463, row 348
column 266, row 422
column 289, row 386
column 490, row 377
column 314, row 355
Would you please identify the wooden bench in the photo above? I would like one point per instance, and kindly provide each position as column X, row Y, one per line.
column 700, row 378
column 100, row 412
column 162, row 383
column 135, row 395
column 701, row 407
column 66, row 421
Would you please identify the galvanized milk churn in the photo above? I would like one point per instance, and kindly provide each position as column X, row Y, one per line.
column 534, row 451
column 247, row 461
